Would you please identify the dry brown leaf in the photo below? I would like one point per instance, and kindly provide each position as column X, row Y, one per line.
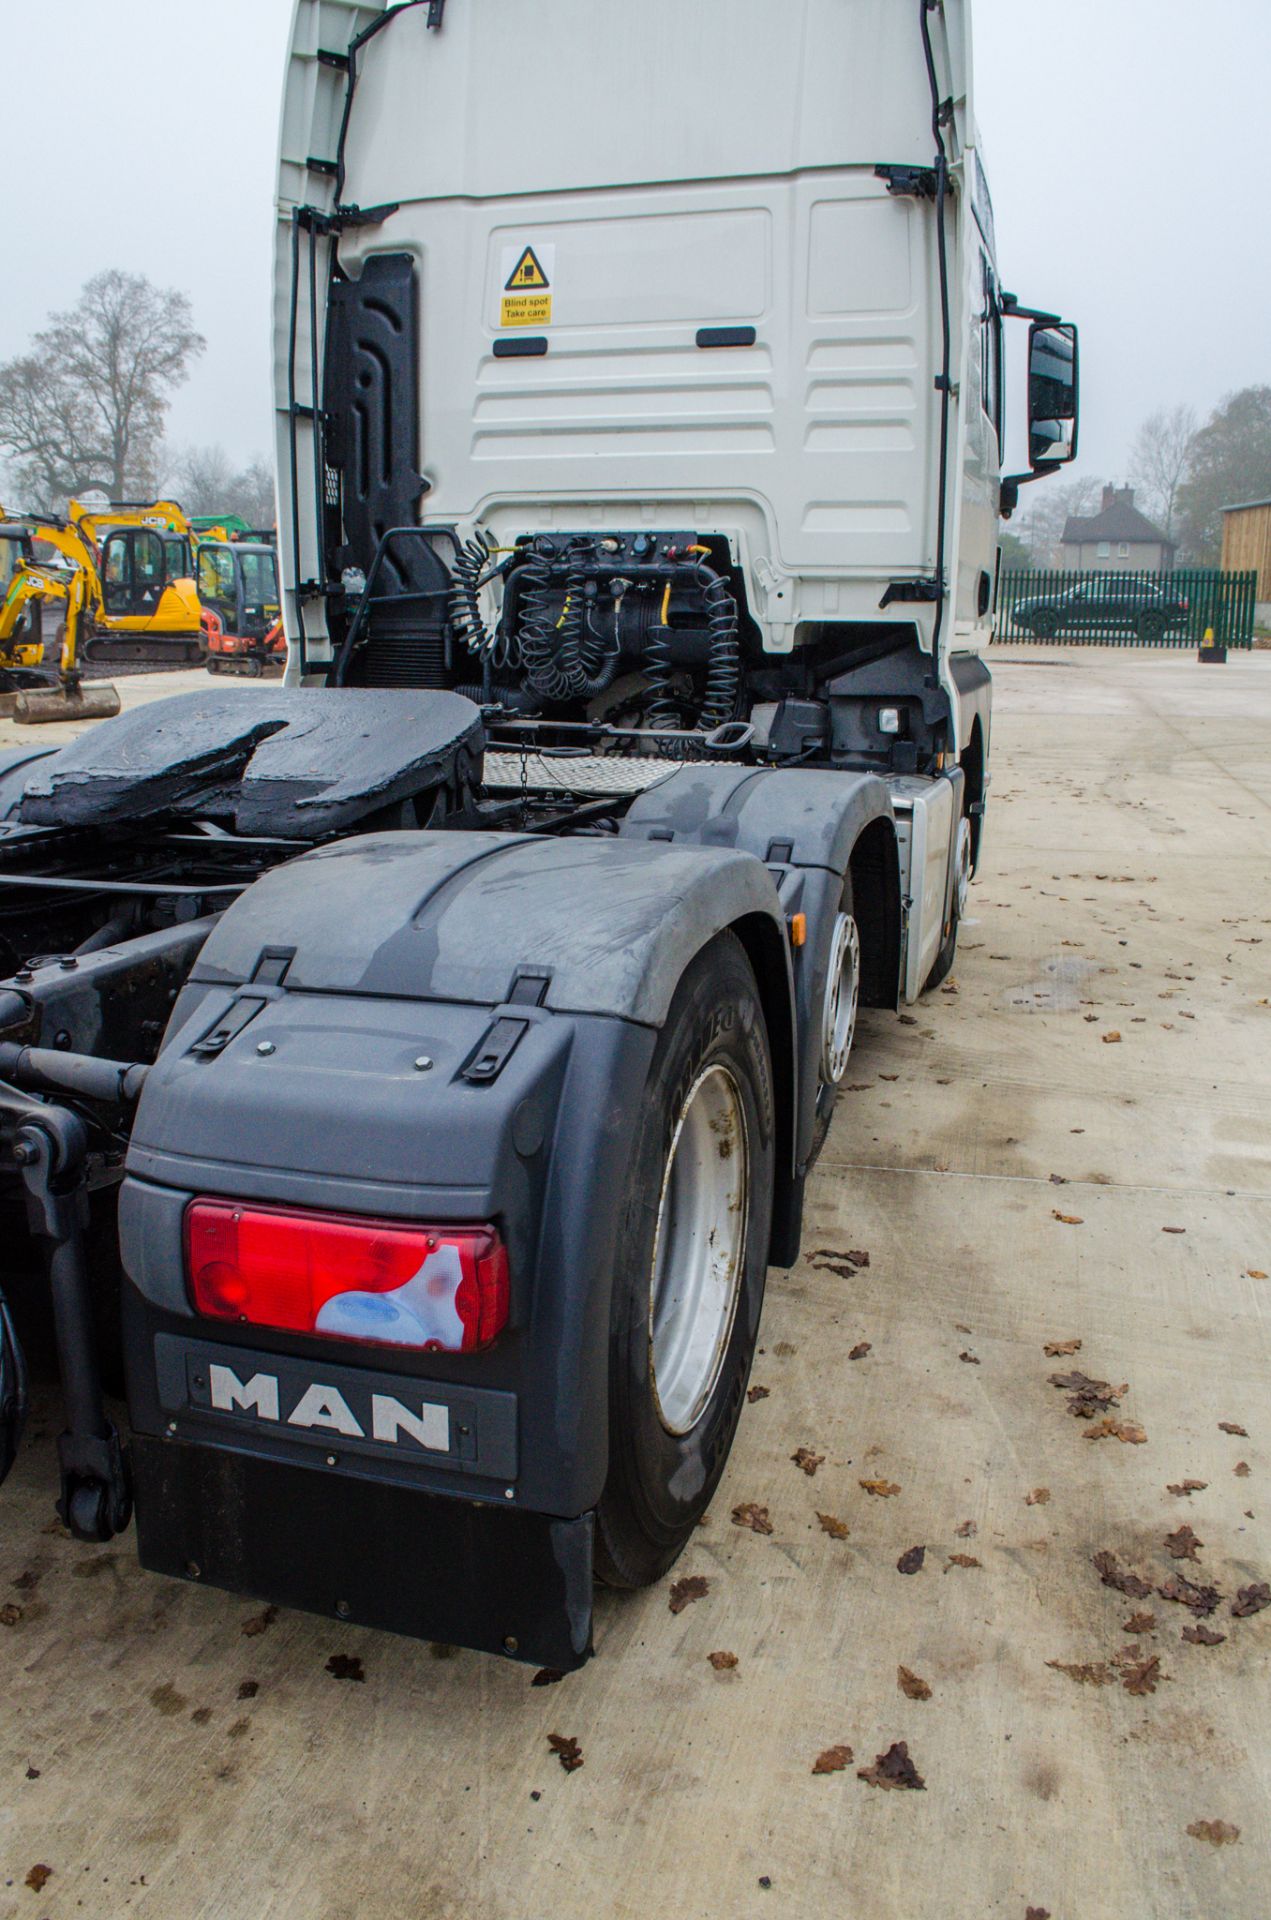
column 9, row 1614
column 38, row 1877
column 833, row 1760
column 807, row 1461
column 1057, row 1349
column 962, row 1560
column 881, row 1489
column 911, row 1686
column 1140, row 1672
column 722, row 1662
column 893, row 1769
column 856, row 1257
column 1202, row 1636
column 693, row 1586
column 748, row 1514
column 1201, row 1600
column 1140, row 1623
column 1110, row 1429
column 1125, row 1582
column 259, row 1623
column 1182, row 1544
column 1229, row 1426
column 1250, row 1600
column 567, row 1751
column 1241, row 1469
column 1254, row 1273
column 1173, row 1229
column 1219, row 1833
column 1089, row 1673
column 859, row 1351
column 1182, row 1488
column 967, row 1531
column 757, row 1393
column 1110, row 1039
column 911, row 1562
column 1067, row 1219
column 345, row 1666
column 970, row 1359
column 1037, row 1913
column 837, row 1529
column 1039, row 1497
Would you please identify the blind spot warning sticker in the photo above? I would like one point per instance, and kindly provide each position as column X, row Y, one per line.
column 527, row 286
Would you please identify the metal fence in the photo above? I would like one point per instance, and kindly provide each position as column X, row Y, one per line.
column 1103, row 609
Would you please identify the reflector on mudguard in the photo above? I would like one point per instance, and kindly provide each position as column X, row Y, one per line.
column 358, row 1551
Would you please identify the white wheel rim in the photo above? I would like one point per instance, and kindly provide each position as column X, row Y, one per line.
column 842, row 1000
column 699, row 1249
column 963, row 885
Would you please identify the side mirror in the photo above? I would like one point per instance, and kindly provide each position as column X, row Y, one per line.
column 1053, row 394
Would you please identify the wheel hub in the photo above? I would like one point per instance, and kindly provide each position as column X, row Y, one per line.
column 842, row 1000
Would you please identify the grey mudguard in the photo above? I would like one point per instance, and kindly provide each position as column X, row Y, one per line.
column 454, row 916
column 332, row 978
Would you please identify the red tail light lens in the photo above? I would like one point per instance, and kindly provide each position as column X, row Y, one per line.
column 438, row 1289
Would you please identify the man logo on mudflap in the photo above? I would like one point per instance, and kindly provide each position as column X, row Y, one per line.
column 324, row 1409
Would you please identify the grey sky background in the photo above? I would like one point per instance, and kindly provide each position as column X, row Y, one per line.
column 1126, row 142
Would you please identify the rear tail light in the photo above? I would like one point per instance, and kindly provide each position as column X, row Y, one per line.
column 438, row 1289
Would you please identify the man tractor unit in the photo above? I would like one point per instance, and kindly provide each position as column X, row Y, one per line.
column 422, row 1061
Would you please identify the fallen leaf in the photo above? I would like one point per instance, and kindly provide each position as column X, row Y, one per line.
column 9, row 1614
column 1056, row 1349
column 911, row 1686
column 722, row 1662
column 1140, row 1623
column 1039, row 1497
column 1241, row 1469
column 757, row 1393
column 1173, row 1229
column 854, row 1256
column 345, row 1666
column 567, row 1751
column 1067, row 1219
column 1202, row 1636
column 248, row 1689
column 1185, row 1487
column 1219, row 1833
column 893, row 1769
column 1229, row 1426
column 1201, row 1600
column 1086, row 1673
column 1037, row 1913
column 1182, row 1544
column 1251, row 1600
column 907, row 1019
column 1254, row 1273
column 1125, row 1582
column 752, row 1516
column 970, row 1359
column 38, row 1878
column 807, row 1462
column 259, row 1623
column 1110, row 1429
column 967, row 1531
column 837, row 1529
column 1110, row 1039
column 911, row 1562
column 833, row 1760
column 881, row 1489
column 962, row 1560
column 859, row 1351
column 1139, row 1672
column 693, row 1587
column 547, row 1677
column 1058, row 1180
column 889, row 1076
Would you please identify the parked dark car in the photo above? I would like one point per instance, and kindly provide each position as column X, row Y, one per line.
column 1112, row 606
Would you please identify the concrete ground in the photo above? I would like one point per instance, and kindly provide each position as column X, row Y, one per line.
column 1018, row 1176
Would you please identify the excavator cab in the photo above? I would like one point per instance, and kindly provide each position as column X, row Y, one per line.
column 238, row 586
column 138, row 566
column 143, row 604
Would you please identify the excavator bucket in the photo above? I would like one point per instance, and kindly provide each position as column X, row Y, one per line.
column 36, row 705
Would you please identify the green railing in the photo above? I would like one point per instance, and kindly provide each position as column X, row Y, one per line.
column 1105, row 609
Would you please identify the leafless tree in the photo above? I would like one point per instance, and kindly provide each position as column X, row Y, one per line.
column 85, row 406
column 205, row 481
column 1159, row 460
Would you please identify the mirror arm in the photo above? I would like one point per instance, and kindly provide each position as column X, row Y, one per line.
column 1011, row 484
column 1012, row 310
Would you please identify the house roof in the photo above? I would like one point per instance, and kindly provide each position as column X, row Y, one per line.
column 1118, row 522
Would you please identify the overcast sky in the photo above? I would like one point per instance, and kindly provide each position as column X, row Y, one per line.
column 1126, row 143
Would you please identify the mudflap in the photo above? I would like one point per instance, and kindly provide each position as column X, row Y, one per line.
column 455, row 1571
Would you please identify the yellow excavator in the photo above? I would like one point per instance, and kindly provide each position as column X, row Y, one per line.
column 28, row 691
column 138, row 560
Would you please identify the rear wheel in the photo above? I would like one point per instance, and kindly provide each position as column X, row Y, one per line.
column 1045, row 623
column 691, row 1267
column 943, row 964
column 1151, row 628
column 839, row 1008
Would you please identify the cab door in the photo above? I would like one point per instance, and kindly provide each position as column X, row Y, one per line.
column 134, row 573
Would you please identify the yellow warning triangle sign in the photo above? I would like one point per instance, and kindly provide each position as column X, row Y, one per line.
column 527, row 274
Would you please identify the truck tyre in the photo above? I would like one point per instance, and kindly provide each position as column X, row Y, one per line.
column 691, row 1266
column 942, row 966
column 838, row 1014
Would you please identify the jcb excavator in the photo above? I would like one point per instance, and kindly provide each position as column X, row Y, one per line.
column 28, row 692
column 141, row 601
